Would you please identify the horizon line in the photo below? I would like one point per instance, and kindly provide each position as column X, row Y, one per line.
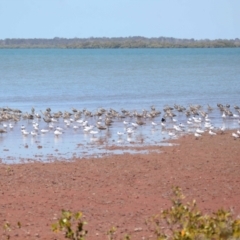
column 92, row 37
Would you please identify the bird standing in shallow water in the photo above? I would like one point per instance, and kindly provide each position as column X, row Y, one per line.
column 120, row 134
column 2, row 131
column 163, row 124
column 154, row 124
column 57, row 133
column 44, row 130
column 93, row 133
column 33, row 133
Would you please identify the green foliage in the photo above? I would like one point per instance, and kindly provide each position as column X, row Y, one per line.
column 8, row 228
column 111, row 233
column 182, row 221
column 72, row 224
column 121, row 42
column 9, row 170
column 185, row 222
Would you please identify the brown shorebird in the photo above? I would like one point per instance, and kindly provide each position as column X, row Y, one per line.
column 47, row 120
column 2, row 131
column 101, row 127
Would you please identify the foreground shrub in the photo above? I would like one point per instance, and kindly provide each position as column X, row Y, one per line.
column 185, row 222
column 182, row 221
column 72, row 224
column 179, row 222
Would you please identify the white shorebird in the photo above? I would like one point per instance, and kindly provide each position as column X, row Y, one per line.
column 57, row 133
column 80, row 121
column 197, row 135
column 66, row 121
column 177, row 128
column 181, row 125
column 99, row 123
column 10, row 125
column 130, row 140
column 54, row 120
column 130, row 131
column 44, row 131
column 120, row 134
column 120, row 140
column 25, row 132
column 212, row 133
column 134, row 125
column 75, row 127
column 163, row 124
column 154, row 124
column 235, row 135
column 33, row 133
column 37, row 115
column 197, row 120
column 207, row 125
column 211, row 127
column 35, row 123
column 222, row 129
column 171, row 134
column 207, row 119
column 51, row 126
column 59, row 129
column 93, row 133
column 35, row 127
column 199, row 131
column 85, row 123
column 88, row 128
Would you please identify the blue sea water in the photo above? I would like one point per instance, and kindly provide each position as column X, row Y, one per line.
column 133, row 79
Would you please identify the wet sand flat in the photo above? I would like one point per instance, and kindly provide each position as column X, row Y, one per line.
column 120, row 190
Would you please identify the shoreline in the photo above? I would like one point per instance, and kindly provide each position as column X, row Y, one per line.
column 121, row 190
column 107, row 150
column 82, row 133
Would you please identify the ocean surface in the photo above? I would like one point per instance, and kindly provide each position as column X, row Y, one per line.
column 131, row 79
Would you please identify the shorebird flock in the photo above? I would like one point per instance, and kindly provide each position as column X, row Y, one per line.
column 173, row 121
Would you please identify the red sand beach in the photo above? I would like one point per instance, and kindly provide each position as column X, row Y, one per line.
column 120, row 190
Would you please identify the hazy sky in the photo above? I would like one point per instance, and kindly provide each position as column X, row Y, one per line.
column 197, row 19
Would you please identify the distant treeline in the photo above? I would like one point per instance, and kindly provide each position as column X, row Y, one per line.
column 121, row 42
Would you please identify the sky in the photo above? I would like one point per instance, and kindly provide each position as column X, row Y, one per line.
column 198, row 19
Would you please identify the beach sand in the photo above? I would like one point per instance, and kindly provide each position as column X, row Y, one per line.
column 120, row 190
